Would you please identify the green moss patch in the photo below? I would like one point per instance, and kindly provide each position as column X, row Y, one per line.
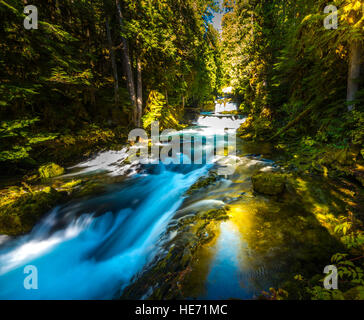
column 20, row 216
column 50, row 170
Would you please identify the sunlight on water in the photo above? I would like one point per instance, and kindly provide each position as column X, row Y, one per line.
column 223, row 278
column 228, row 106
column 91, row 249
column 218, row 124
column 107, row 161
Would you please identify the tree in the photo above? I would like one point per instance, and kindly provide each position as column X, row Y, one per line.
column 128, row 66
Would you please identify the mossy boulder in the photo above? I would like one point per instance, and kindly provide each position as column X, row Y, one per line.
column 50, row 170
column 20, row 216
column 269, row 183
column 203, row 182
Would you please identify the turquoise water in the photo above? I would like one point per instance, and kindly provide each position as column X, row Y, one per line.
column 92, row 248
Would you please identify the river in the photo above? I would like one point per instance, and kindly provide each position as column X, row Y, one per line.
column 92, row 249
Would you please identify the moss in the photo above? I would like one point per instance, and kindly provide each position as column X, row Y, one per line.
column 50, row 170
column 203, row 182
column 257, row 127
column 215, row 214
column 90, row 188
column 71, row 184
column 269, row 183
column 20, row 216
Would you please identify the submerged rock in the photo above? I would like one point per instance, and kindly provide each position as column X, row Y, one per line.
column 50, row 170
column 203, row 182
column 20, row 216
column 269, row 183
column 165, row 276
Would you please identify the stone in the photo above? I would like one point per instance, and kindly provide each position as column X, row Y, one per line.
column 20, row 216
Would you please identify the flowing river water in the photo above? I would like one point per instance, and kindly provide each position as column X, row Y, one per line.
column 95, row 247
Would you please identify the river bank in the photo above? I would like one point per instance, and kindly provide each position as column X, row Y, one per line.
column 31, row 188
column 182, row 232
column 253, row 245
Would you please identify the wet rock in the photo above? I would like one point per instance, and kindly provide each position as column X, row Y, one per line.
column 71, row 186
column 167, row 273
column 50, row 170
column 20, row 216
column 269, row 183
column 203, row 182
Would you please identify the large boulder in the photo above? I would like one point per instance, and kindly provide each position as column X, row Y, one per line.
column 50, row 170
column 20, row 216
column 269, row 183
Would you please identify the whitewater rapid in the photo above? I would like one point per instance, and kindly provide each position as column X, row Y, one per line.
column 90, row 249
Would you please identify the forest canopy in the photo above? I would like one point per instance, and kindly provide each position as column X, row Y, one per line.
column 118, row 64
column 96, row 63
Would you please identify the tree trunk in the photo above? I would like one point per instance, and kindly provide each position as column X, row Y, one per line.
column 113, row 62
column 128, row 67
column 139, row 92
column 354, row 71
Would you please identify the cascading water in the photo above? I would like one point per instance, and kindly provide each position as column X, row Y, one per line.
column 224, row 106
column 92, row 248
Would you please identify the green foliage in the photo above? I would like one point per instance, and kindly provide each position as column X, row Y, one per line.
column 17, row 139
column 62, row 74
column 158, row 110
column 358, row 127
column 280, row 59
column 179, row 50
column 350, row 267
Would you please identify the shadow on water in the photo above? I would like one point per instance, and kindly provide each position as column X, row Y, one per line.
column 265, row 242
column 144, row 235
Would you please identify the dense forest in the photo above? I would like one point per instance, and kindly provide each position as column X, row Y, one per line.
column 92, row 67
column 94, row 70
column 299, row 81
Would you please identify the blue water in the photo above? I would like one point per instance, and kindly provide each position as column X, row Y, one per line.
column 91, row 249
column 225, row 279
column 93, row 256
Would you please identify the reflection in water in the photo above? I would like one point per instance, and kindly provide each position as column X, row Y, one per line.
column 224, row 278
column 91, row 249
column 265, row 242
